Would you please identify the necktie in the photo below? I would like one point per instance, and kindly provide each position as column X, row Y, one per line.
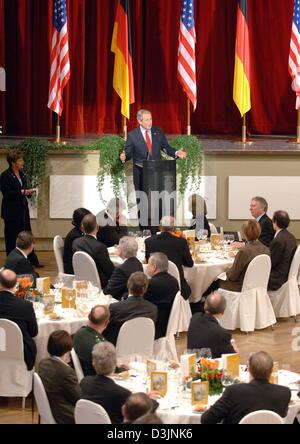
column 148, row 142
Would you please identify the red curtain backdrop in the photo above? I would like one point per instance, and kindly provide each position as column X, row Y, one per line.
column 90, row 104
column 2, row 63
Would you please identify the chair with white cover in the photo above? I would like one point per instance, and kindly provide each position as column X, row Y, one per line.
column 88, row 412
column 213, row 229
column 286, row 300
column 136, row 336
column 15, row 379
column 85, row 268
column 251, row 308
column 262, row 417
column 58, row 247
column 77, row 365
column 41, row 399
column 173, row 271
column 165, row 348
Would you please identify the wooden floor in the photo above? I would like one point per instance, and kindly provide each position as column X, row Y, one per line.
column 277, row 342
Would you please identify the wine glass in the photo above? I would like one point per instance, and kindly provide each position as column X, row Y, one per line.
column 202, row 234
column 205, row 353
column 227, row 379
column 146, row 233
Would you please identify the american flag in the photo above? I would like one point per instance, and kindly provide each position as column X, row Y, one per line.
column 59, row 59
column 186, row 51
column 294, row 56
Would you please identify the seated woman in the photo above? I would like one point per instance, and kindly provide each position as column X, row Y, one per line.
column 59, row 379
column 197, row 206
column 101, row 389
column 253, row 247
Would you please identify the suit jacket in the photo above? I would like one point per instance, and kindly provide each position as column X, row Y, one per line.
column 83, row 342
column 282, row 249
column 110, row 232
column 22, row 313
column 235, row 275
column 205, row 331
column 240, row 399
column 104, row 391
column 117, row 284
column 120, row 312
column 18, row 263
column 162, row 291
column 177, row 251
column 99, row 253
column 14, row 203
column 62, row 388
column 137, row 150
column 267, row 230
column 75, row 233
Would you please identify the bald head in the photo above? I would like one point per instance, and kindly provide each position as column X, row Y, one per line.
column 260, row 365
column 8, row 279
column 167, row 223
column 98, row 317
column 215, row 304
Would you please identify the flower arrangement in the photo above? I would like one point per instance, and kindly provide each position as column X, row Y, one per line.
column 24, row 285
column 207, row 370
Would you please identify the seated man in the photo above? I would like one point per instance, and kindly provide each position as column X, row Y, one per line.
column 258, row 209
column 17, row 260
column 98, row 251
column 133, row 307
column 117, row 284
column 75, row 233
column 137, row 405
column 205, row 330
column 240, row 399
column 176, row 249
column 89, row 335
column 282, row 249
column 19, row 311
column 161, row 291
column 100, row 388
column 112, row 223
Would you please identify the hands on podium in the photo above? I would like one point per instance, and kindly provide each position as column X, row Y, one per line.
column 182, row 154
column 123, row 157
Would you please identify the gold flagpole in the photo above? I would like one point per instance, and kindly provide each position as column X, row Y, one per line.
column 125, row 127
column 188, row 128
column 244, row 129
column 298, row 127
column 57, row 138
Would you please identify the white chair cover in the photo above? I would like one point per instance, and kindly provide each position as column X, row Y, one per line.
column 88, row 412
column 213, row 229
column 15, row 379
column 85, row 268
column 58, row 247
column 135, row 336
column 286, row 300
column 185, row 312
column 42, row 402
column 77, row 365
column 262, row 417
column 179, row 320
column 173, row 271
column 251, row 308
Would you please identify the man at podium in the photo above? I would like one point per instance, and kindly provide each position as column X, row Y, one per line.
column 145, row 143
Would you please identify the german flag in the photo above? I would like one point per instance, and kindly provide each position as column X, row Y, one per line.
column 241, row 84
column 121, row 46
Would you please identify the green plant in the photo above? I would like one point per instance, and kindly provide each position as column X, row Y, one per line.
column 190, row 168
column 35, row 156
column 110, row 147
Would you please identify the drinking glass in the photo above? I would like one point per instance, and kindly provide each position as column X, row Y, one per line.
column 205, row 353
column 226, row 379
column 202, row 234
column 146, row 233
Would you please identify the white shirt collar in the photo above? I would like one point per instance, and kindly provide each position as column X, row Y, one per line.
column 259, row 217
column 57, row 358
column 24, row 254
column 280, row 229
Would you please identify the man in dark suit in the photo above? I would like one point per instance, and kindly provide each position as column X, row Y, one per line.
column 176, row 249
column 161, row 291
column 282, row 249
column 101, row 389
column 14, row 208
column 17, row 260
column 112, row 223
column 75, row 233
column 240, row 399
column 19, row 311
column 205, row 330
column 133, row 307
column 145, row 143
column 258, row 209
column 117, row 284
column 94, row 248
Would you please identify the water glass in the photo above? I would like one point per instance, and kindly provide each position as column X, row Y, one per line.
column 202, row 234
column 227, row 379
column 205, row 353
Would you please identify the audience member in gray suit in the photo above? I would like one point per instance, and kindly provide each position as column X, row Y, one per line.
column 282, row 249
column 258, row 209
column 98, row 251
column 59, row 379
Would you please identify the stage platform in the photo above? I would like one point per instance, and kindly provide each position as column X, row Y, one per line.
column 217, row 144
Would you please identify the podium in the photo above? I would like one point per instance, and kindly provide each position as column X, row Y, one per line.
column 159, row 184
